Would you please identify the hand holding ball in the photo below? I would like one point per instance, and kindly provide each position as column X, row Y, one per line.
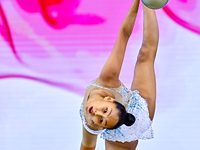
column 155, row 4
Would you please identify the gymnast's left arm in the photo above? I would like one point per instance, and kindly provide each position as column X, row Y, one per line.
column 109, row 75
column 88, row 141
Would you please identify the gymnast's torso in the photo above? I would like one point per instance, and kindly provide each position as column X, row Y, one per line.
column 134, row 104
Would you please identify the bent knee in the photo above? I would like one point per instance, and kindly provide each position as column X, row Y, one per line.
column 146, row 54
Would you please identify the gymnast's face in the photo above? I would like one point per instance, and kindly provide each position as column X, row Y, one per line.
column 102, row 113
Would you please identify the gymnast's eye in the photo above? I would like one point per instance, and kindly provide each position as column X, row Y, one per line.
column 101, row 120
column 105, row 110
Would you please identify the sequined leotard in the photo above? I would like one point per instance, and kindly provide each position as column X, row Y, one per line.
column 136, row 105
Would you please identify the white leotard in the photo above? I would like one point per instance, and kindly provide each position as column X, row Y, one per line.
column 134, row 104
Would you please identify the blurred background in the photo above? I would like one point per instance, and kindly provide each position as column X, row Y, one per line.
column 50, row 50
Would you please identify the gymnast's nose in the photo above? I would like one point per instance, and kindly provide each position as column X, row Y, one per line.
column 98, row 113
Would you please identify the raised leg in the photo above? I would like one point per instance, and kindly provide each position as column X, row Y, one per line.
column 144, row 75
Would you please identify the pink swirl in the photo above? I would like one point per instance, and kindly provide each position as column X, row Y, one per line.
column 5, row 32
column 60, row 13
column 185, row 13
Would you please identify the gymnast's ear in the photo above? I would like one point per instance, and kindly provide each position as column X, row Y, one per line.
column 108, row 98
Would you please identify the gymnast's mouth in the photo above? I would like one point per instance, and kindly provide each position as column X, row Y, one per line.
column 90, row 110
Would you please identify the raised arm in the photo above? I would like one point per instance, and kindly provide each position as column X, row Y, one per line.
column 88, row 141
column 109, row 75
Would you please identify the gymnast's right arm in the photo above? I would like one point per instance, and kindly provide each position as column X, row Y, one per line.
column 88, row 141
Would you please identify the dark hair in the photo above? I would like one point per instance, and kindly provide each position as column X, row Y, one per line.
column 124, row 117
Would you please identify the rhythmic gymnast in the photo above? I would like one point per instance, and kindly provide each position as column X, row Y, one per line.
column 120, row 115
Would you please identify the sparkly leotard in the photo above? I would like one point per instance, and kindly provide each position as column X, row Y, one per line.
column 134, row 104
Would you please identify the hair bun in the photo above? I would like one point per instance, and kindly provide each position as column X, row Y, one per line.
column 130, row 119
